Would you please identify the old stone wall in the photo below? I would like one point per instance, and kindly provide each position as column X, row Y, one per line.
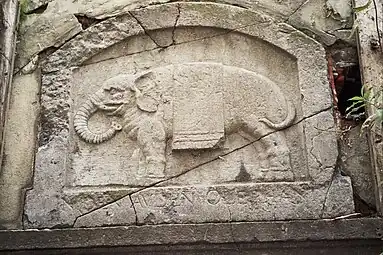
column 224, row 107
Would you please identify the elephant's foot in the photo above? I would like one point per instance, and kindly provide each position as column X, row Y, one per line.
column 279, row 158
column 155, row 169
column 276, row 167
column 270, row 175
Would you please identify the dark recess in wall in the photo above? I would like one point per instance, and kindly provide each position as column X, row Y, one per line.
column 86, row 22
column 38, row 10
column 348, row 85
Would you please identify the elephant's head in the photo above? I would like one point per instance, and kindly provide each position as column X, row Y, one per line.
column 117, row 95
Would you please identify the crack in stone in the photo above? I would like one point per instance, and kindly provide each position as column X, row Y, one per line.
column 312, row 154
column 38, row 9
column 20, row 69
column 145, row 31
column 296, row 10
column 176, row 44
column 337, row 171
column 326, row 196
column 6, row 58
column 134, row 209
column 232, row 230
column 176, row 24
column 155, row 184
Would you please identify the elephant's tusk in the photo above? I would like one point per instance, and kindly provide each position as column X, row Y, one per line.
column 117, row 111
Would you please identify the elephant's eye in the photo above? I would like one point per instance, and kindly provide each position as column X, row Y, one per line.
column 118, row 96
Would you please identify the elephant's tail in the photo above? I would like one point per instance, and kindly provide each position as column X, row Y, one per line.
column 289, row 120
column 81, row 120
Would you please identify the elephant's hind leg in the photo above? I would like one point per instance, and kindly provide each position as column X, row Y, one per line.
column 274, row 155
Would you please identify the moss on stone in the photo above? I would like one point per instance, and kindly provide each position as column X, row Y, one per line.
column 23, row 9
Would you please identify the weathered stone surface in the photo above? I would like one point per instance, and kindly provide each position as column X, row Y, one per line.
column 265, row 151
column 370, row 61
column 239, row 202
column 45, row 207
column 94, row 39
column 9, row 12
column 355, row 158
column 87, row 202
column 211, row 238
column 165, row 16
column 32, row 5
column 339, row 198
column 322, row 19
column 19, row 144
column 116, row 214
column 58, row 23
column 40, row 31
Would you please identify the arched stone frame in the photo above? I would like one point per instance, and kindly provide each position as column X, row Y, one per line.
column 310, row 56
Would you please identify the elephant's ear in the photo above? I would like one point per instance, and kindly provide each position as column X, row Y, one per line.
column 145, row 102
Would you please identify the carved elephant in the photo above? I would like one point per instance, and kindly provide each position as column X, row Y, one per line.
column 145, row 103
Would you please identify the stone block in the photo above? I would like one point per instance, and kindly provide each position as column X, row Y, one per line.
column 19, row 144
column 355, row 156
column 324, row 20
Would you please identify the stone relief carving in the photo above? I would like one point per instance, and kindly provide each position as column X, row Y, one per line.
column 216, row 170
column 195, row 105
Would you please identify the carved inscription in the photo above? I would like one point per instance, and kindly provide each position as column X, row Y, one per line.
column 156, row 199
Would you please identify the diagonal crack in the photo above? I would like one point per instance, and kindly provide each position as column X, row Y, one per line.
column 155, row 184
column 226, row 32
column 145, row 30
column 326, row 196
column 134, row 208
column 296, row 10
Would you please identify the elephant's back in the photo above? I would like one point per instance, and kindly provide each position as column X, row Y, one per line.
column 249, row 93
column 204, row 87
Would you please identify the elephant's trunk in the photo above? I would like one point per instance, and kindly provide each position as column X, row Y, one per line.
column 289, row 120
column 81, row 120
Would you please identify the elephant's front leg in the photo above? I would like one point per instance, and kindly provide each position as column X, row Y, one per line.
column 151, row 138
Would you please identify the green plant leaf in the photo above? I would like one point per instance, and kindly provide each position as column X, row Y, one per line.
column 362, row 7
column 366, row 95
column 379, row 115
column 362, row 90
column 357, row 98
column 352, row 110
column 369, row 122
column 354, row 105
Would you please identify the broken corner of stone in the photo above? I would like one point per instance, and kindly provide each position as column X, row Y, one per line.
column 230, row 122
